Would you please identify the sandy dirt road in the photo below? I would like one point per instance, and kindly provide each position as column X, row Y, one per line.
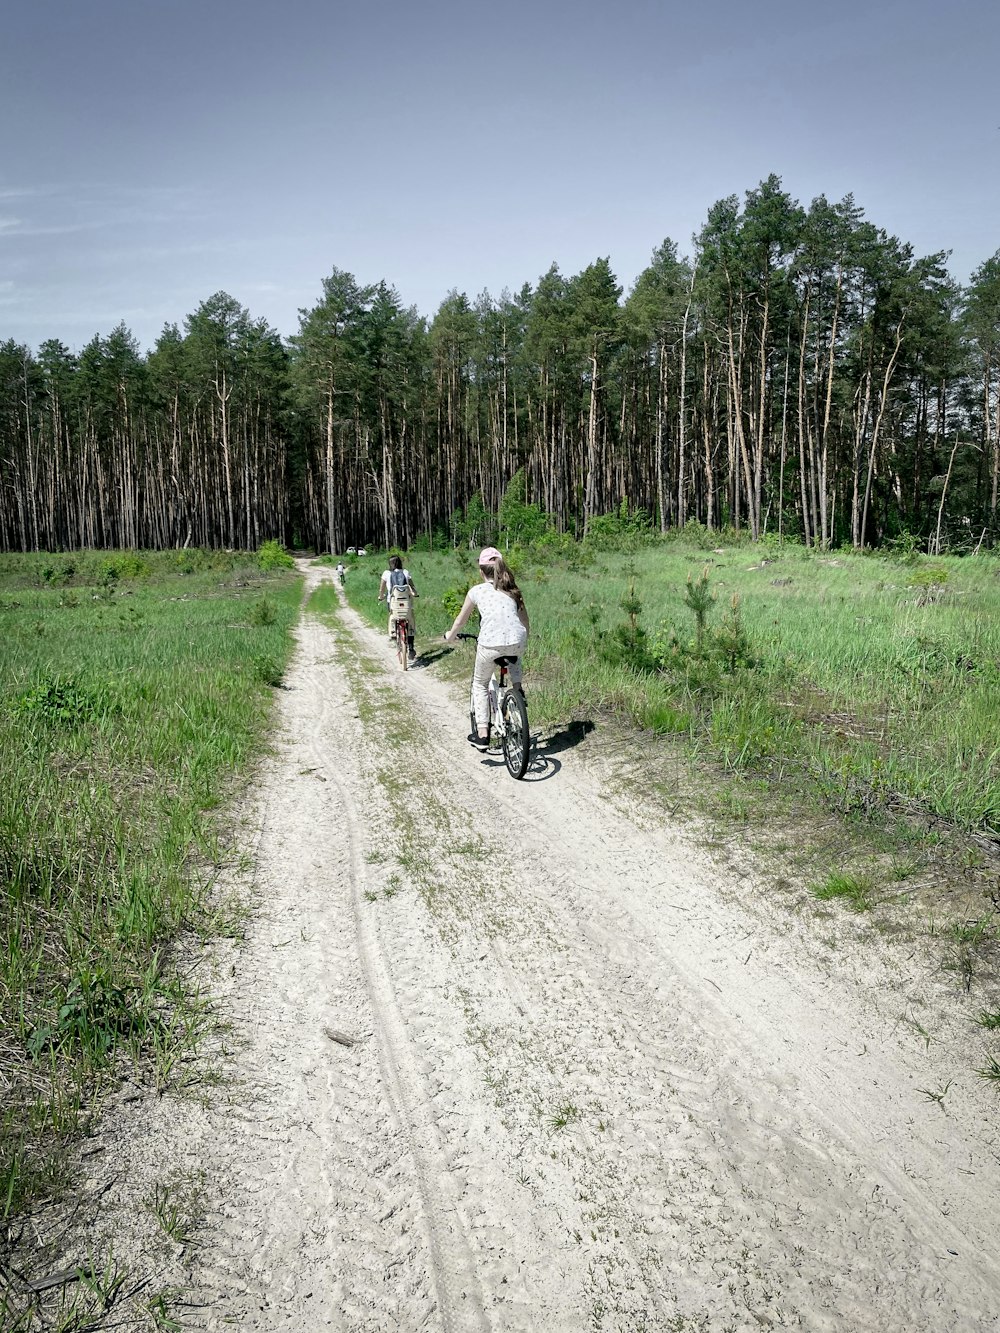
column 511, row 1058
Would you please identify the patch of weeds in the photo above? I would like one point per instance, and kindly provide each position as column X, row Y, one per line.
column 973, row 933
column 663, row 719
column 414, row 860
column 563, row 1116
column 991, row 1070
column 159, row 1310
column 81, row 1303
column 92, row 1015
column 132, row 620
column 918, row 1027
column 968, row 939
column 902, row 868
column 59, row 701
column 226, row 919
column 937, row 1094
column 268, row 669
column 476, row 849
column 176, row 1205
column 263, row 612
column 989, row 1020
column 734, row 804
column 929, row 582
column 856, row 890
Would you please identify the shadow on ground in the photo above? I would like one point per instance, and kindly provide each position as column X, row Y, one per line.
column 564, row 739
column 425, row 656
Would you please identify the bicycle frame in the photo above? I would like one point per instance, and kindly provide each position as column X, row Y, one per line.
column 507, row 720
column 400, row 630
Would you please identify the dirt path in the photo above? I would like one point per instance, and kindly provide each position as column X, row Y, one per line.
column 510, row 1059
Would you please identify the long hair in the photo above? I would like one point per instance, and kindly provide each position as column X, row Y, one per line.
column 395, row 562
column 503, row 580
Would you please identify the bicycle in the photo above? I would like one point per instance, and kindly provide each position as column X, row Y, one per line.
column 400, row 628
column 507, row 724
column 400, row 635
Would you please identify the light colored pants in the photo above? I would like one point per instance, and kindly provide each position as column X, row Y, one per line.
column 409, row 620
column 483, row 670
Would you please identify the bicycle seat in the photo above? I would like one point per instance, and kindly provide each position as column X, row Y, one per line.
column 505, row 661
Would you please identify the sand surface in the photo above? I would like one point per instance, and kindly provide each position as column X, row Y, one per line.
column 519, row 1056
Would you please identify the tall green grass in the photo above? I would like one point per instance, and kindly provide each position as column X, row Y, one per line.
column 875, row 681
column 132, row 688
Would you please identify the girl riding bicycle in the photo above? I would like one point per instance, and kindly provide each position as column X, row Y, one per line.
column 397, row 580
column 503, row 631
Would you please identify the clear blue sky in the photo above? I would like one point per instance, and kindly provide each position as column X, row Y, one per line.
column 157, row 153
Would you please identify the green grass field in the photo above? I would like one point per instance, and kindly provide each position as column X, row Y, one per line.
column 135, row 688
column 872, row 682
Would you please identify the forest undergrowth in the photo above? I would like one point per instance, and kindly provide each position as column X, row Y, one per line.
column 136, row 691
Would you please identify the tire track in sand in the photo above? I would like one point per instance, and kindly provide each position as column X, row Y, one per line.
column 460, row 1304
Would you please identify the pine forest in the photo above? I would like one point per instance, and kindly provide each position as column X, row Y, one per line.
column 803, row 374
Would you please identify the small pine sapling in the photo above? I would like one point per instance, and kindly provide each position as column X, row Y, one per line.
column 698, row 599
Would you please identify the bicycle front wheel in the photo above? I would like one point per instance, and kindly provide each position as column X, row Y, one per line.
column 516, row 738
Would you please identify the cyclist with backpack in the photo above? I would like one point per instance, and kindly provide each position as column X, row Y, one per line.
column 396, row 588
column 503, row 631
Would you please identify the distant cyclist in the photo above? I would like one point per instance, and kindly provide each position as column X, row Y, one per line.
column 341, row 570
column 503, row 631
column 396, row 588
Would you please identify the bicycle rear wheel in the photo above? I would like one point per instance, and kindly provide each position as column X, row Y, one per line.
column 516, row 737
column 401, row 645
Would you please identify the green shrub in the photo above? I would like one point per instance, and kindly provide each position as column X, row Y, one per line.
column 929, row 581
column 59, row 701
column 453, row 599
column 263, row 612
column 519, row 521
column 272, row 555
column 268, row 669
column 121, row 565
column 905, row 546
column 624, row 529
column 92, row 1016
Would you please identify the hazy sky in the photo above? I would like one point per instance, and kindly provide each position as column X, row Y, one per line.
column 157, row 153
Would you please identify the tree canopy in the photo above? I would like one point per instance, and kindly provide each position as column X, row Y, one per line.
column 800, row 372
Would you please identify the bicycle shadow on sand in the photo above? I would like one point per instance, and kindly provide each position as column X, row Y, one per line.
column 540, row 766
column 565, row 738
column 428, row 656
column 543, row 763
